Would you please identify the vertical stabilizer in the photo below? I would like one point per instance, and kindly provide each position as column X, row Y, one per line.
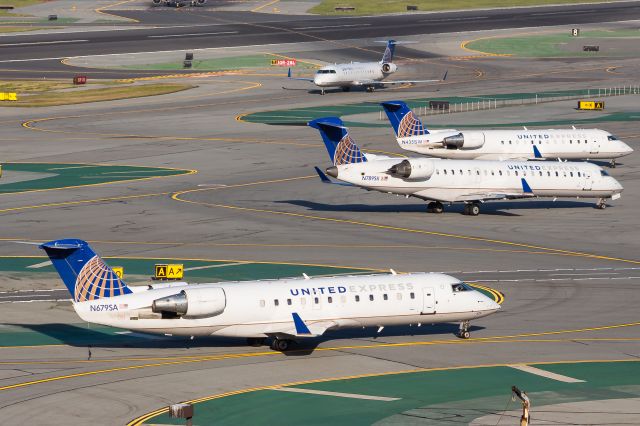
column 84, row 273
column 404, row 122
column 342, row 149
column 387, row 57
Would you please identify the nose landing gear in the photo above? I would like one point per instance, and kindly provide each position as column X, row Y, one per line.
column 463, row 332
column 602, row 204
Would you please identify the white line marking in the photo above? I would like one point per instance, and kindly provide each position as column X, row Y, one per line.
column 591, row 273
column 39, row 300
column 338, row 394
column 40, row 265
column 472, row 18
column 195, row 268
column 547, row 374
column 35, row 43
column 72, row 167
column 333, row 26
column 191, row 35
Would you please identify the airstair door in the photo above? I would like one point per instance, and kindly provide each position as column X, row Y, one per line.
column 428, row 301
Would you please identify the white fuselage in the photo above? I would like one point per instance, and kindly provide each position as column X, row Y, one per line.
column 353, row 74
column 570, row 144
column 264, row 308
column 474, row 180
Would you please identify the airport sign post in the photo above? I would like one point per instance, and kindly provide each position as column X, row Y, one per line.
column 283, row 62
column 591, row 105
column 165, row 271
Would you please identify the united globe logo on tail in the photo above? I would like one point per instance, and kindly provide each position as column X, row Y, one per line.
column 347, row 152
column 96, row 280
column 410, row 125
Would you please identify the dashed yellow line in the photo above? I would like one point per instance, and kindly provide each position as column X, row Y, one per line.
column 101, row 10
column 142, row 419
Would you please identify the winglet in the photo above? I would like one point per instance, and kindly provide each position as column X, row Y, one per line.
column 536, row 152
column 289, row 73
column 301, row 327
column 525, row 187
column 323, row 177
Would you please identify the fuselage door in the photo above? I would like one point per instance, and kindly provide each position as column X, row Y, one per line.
column 594, row 146
column 587, row 181
column 428, row 301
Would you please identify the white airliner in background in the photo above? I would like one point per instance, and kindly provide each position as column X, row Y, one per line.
column 469, row 181
column 283, row 310
column 367, row 74
column 566, row 144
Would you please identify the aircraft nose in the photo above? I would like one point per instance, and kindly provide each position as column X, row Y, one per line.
column 626, row 149
column 332, row 171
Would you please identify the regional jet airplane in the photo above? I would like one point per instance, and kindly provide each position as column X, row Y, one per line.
column 367, row 74
column 468, row 181
column 284, row 310
column 566, row 144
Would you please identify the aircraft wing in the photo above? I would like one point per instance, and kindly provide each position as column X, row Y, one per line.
column 297, row 78
column 300, row 329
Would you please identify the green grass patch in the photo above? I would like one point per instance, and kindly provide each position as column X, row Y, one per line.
column 221, row 64
column 378, row 7
column 18, row 29
column 82, row 95
column 67, row 175
column 16, row 4
column 552, row 45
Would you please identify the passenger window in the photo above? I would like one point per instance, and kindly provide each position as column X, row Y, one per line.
column 316, row 300
column 445, row 171
column 579, row 174
column 571, row 173
column 557, row 174
column 412, row 295
column 540, row 173
column 385, row 297
column 548, row 173
column 276, row 302
column 330, row 299
column 500, row 172
column 492, row 173
column 453, row 172
column 262, row 303
column 357, row 298
column 289, row 302
column 516, row 173
column 371, row 297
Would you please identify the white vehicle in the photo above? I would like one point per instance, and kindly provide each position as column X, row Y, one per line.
column 358, row 74
column 566, row 144
column 468, row 181
column 283, row 310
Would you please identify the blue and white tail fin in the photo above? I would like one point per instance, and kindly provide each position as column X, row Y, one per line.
column 342, row 149
column 85, row 274
column 387, row 57
column 404, row 122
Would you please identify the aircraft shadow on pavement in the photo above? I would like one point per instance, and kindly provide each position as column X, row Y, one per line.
column 82, row 336
column 496, row 208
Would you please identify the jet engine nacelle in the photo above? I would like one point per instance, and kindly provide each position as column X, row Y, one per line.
column 200, row 2
column 156, row 2
column 389, row 68
column 472, row 140
column 413, row 170
column 192, row 302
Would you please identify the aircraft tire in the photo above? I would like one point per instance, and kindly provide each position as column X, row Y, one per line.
column 474, row 209
column 465, row 335
column 280, row 345
column 438, row 207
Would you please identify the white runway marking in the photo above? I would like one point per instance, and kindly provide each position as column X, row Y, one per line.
column 191, row 35
column 547, row 374
column 338, row 394
column 35, row 43
column 40, row 265
column 333, row 26
column 195, row 268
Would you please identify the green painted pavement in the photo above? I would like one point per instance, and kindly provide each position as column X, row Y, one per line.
column 431, row 397
column 300, row 116
column 553, row 45
column 73, row 174
column 80, row 334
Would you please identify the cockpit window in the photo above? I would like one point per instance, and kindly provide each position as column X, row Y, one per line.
column 603, row 173
column 612, row 138
column 458, row 287
column 326, row 72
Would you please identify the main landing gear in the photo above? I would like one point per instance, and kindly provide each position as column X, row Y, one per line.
column 371, row 89
column 472, row 209
column 280, row 345
column 602, row 204
column 435, row 207
column 463, row 332
column 612, row 163
column 322, row 92
column 346, row 88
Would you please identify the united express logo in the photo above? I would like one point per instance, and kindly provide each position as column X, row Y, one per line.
column 410, row 125
column 347, row 152
column 96, row 280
